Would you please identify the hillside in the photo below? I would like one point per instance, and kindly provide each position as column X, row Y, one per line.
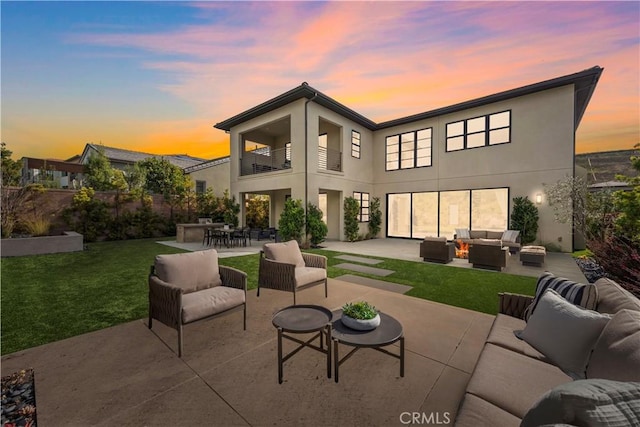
column 605, row 165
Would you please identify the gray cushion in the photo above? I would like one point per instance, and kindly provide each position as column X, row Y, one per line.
column 286, row 252
column 478, row 234
column 462, row 233
column 502, row 334
column 191, row 271
column 613, row 298
column 588, row 403
column 487, row 242
column 496, row 235
column 198, row 305
column 435, row 239
column 306, row 275
column 512, row 381
column 477, row 412
column 510, row 236
column 584, row 295
column 564, row 332
column 616, row 355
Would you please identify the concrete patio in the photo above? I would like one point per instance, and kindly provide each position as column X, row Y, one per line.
column 130, row 375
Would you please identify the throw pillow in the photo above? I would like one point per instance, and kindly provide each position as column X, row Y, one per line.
column 462, row 233
column 576, row 293
column 286, row 252
column 587, row 403
column 616, row 355
column 510, row 236
column 564, row 332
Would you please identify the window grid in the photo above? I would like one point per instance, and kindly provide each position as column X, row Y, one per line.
column 482, row 131
column 363, row 201
column 355, row 144
column 408, row 150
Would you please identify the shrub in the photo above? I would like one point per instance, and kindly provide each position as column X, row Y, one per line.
column 360, row 310
column 37, row 226
column 525, row 218
column 315, row 226
column 292, row 220
column 351, row 210
column 375, row 218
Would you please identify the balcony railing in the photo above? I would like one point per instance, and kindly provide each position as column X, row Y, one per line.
column 262, row 161
column 329, row 159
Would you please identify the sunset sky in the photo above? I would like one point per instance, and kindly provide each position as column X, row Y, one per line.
column 156, row 76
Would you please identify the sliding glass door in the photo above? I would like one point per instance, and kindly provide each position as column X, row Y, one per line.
column 417, row 215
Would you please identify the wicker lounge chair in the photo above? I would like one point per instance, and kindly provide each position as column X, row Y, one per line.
column 185, row 288
column 437, row 249
column 283, row 267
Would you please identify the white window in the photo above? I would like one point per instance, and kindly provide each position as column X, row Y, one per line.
column 355, row 144
column 363, row 200
column 492, row 129
column 408, row 150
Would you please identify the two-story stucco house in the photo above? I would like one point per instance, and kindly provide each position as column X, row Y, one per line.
column 454, row 167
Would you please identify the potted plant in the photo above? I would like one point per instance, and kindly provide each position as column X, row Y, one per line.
column 361, row 316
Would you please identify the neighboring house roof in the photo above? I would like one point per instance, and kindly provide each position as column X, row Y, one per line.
column 48, row 164
column 584, row 84
column 131, row 157
column 207, row 164
column 620, row 185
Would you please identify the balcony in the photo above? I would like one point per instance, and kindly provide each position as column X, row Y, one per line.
column 330, row 160
column 264, row 160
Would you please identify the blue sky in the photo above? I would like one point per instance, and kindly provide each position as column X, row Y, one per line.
column 156, row 76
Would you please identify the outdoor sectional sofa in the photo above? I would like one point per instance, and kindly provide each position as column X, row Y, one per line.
column 514, row 246
column 514, row 384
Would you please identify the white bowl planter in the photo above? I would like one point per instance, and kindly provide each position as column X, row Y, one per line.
column 361, row 325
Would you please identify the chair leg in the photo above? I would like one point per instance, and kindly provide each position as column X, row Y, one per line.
column 245, row 316
column 150, row 321
column 326, row 289
column 179, row 340
column 294, row 297
column 258, row 289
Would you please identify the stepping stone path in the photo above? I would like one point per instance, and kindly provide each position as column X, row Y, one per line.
column 374, row 283
column 361, row 260
column 365, row 269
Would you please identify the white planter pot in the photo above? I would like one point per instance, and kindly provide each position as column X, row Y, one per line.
column 361, row 325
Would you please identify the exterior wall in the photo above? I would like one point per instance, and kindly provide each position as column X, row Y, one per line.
column 541, row 151
column 217, row 177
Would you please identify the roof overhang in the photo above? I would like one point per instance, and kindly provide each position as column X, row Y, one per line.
column 584, row 83
column 302, row 91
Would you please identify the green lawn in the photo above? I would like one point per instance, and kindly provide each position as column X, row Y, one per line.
column 47, row 298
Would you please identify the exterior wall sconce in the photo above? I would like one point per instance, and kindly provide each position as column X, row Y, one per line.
column 539, row 198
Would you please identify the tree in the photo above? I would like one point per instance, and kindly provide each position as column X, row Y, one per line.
column 164, row 178
column 11, row 169
column 351, row 211
column 98, row 171
column 134, row 177
column 627, row 204
column 258, row 212
column 525, row 218
column 292, row 220
column 315, row 226
column 591, row 213
column 231, row 209
column 375, row 217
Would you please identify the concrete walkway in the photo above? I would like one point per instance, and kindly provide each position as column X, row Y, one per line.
column 129, row 375
column 560, row 264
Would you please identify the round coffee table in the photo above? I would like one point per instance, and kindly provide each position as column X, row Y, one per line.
column 389, row 332
column 303, row 319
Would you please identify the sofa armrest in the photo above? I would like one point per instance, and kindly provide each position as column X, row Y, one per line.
column 276, row 275
column 165, row 301
column 514, row 305
column 313, row 260
column 233, row 278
